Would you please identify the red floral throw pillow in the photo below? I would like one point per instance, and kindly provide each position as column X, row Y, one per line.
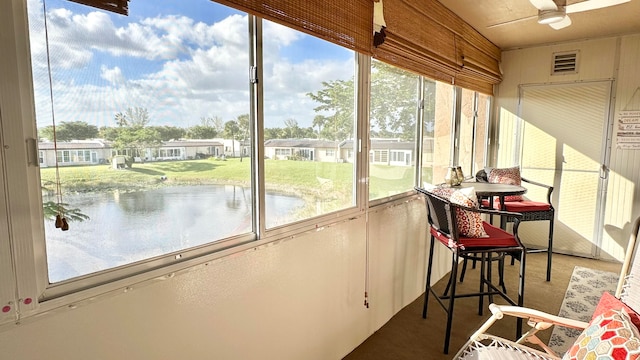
column 510, row 176
column 611, row 335
column 470, row 223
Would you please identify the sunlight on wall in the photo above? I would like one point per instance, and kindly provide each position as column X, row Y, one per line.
column 619, row 209
column 578, row 192
column 506, row 137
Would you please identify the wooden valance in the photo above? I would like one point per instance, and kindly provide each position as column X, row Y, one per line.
column 346, row 23
column 116, row 6
column 426, row 37
column 421, row 36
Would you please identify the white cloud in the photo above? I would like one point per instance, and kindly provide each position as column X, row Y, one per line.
column 196, row 69
column 113, row 75
column 280, row 36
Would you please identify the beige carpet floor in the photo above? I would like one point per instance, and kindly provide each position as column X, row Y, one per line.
column 408, row 336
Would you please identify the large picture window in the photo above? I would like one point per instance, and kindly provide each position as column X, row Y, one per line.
column 438, row 130
column 474, row 122
column 155, row 97
column 309, row 126
column 160, row 151
column 393, row 119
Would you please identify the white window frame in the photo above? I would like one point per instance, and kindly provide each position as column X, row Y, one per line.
column 23, row 269
column 30, row 279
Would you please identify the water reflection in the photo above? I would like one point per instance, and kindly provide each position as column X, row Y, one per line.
column 125, row 227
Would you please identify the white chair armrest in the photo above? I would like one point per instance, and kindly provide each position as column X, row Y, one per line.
column 538, row 320
column 536, row 316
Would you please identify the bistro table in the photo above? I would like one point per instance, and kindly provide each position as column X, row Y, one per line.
column 490, row 190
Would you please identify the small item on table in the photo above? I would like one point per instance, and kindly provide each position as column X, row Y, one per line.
column 451, row 177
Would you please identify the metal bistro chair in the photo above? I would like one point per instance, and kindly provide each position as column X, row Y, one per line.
column 530, row 210
column 442, row 218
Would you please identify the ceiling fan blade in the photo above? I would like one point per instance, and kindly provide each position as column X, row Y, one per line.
column 544, row 4
column 592, row 5
column 512, row 21
column 566, row 21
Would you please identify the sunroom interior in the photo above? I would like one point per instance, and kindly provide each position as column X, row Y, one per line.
column 235, row 179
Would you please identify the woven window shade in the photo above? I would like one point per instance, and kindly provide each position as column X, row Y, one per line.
column 117, row 6
column 427, row 38
column 346, row 23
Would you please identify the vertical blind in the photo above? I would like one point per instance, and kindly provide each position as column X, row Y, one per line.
column 421, row 36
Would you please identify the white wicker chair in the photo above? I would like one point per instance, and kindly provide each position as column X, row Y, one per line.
column 483, row 345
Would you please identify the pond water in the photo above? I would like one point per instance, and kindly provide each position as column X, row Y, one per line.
column 132, row 226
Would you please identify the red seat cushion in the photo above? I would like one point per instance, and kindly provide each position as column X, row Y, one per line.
column 497, row 238
column 519, row 206
column 525, row 206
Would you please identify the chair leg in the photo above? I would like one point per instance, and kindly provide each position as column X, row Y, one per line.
column 428, row 281
column 523, row 257
column 501, row 272
column 550, row 249
column 445, row 293
column 464, row 269
column 483, row 269
column 454, row 274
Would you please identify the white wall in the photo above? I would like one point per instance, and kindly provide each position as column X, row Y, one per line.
column 298, row 298
column 614, row 58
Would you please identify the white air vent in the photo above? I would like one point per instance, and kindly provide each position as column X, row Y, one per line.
column 565, row 63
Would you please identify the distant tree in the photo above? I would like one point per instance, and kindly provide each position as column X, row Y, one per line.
column 244, row 127
column 169, row 132
column 393, row 105
column 319, row 121
column 273, row 133
column 231, row 131
column 214, row 122
column 393, row 116
column 121, row 120
column 109, row 133
column 133, row 134
column 292, row 129
column 133, row 116
column 218, row 124
column 137, row 116
column 201, row 132
column 137, row 139
column 69, row 130
column 336, row 99
column 308, row 133
column 429, row 107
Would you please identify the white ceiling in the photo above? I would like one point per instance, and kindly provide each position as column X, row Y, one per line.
column 614, row 20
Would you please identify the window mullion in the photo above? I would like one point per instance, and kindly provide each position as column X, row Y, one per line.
column 21, row 198
column 361, row 152
column 257, row 118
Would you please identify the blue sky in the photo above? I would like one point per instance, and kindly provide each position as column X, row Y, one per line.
column 182, row 60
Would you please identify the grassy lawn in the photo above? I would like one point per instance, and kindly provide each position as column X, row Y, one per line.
column 317, row 179
column 283, row 175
